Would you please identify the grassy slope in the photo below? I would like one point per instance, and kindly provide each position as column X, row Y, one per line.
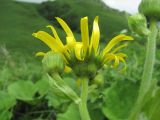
column 20, row 20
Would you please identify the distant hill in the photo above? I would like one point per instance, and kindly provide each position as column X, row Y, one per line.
column 19, row 20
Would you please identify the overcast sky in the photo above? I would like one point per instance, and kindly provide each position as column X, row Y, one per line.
column 130, row 6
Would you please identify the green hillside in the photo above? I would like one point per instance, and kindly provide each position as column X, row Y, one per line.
column 20, row 20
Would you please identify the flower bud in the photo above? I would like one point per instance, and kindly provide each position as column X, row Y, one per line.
column 53, row 63
column 150, row 8
column 99, row 80
column 138, row 24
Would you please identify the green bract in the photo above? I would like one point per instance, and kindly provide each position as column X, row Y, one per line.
column 150, row 8
column 138, row 24
column 86, row 69
column 53, row 63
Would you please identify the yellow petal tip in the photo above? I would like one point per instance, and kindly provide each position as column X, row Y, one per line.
column 57, row 18
column 129, row 38
column 48, row 26
column 40, row 54
column 34, row 34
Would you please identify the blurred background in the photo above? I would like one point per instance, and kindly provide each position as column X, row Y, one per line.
column 24, row 89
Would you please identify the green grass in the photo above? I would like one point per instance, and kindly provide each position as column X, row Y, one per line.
column 18, row 22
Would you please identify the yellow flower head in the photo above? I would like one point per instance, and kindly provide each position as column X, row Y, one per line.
column 84, row 57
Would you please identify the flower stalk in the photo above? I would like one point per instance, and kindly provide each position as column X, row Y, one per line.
column 148, row 70
column 83, row 104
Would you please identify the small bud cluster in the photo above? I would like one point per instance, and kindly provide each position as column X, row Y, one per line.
column 148, row 10
column 53, row 63
column 138, row 24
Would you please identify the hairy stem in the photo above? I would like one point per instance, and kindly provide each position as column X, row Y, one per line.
column 148, row 70
column 83, row 104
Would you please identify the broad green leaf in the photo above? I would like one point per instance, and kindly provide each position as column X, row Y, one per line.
column 22, row 90
column 96, row 114
column 5, row 74
column 55, row 101
column 6, row 101
column 42, row 86
column 63, row 88
column 119, row 100
column 71, row 82
column 72, row 113
column 5, row 115
column 57, row 98
column 68, row 82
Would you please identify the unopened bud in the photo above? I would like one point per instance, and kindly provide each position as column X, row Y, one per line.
column 99, row 80
column 138, row 24
column 150, row 8
column 53, row 63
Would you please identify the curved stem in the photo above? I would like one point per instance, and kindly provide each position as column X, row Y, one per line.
column 83, row 104
column 148, row 70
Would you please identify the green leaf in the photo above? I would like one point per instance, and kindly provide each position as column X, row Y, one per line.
column 55, row 101
column 119, row 100
column 22, row 90
column 72, row 113
column 96, row 114
column 42, row 86
column 5, row 115
column 58, row 98
column 55, row 97
column 6, row 101
column 61, row 87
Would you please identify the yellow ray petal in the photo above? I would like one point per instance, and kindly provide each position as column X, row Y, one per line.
column 85, row 33
column 78, row 51
column 40, row 54
column 95, row 36
column 66, row 53
column 111, row 57
column 56, row 35
column 67, row 69
column 116, row 63
column 124, row 63
column 116, row 40
column 108, row 57
column 69, row 47
column 65, row 27
column 119, row 47
column 70, row 42
column 117, row 59
column 121, row 55
column 48, row 40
